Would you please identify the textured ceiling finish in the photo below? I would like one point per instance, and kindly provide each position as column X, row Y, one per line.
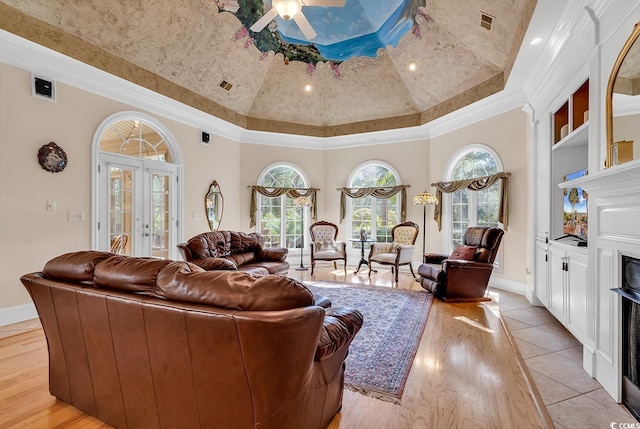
column 184, row 48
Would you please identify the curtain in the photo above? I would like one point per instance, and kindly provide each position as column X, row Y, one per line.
column 380, row 193
column 276, row 192
column 476, row 184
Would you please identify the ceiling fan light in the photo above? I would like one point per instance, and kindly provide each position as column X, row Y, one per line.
column 287, row 9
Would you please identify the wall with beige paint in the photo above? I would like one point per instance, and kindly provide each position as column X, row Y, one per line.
column 507, row 134
column 29, row 234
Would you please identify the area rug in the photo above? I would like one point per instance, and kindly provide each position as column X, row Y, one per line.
column 381, row 355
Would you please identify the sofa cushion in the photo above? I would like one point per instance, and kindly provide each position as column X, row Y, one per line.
column 465, row 253
column 75, row 266
column 210, row 244
column 234, row 290
column 242, row 242
column 243, row 258
column 215, row 264
column 130, row 274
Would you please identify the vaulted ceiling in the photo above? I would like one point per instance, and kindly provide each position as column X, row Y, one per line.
column 184, row 49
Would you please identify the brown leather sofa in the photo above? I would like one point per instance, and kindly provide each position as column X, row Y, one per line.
column 149, row 343
column 463, row 275
column 231, row 250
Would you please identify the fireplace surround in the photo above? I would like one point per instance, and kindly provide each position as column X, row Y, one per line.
column 630, row 293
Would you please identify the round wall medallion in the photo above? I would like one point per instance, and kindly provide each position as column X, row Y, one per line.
column 52, row 158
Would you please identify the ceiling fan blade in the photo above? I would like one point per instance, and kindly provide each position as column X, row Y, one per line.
column 304, row 25
column 264, row 21
column 325, row 3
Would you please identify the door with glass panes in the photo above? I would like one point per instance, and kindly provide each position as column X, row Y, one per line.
column 137, row 206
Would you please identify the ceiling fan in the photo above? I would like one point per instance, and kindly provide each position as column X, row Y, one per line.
column 292, row 9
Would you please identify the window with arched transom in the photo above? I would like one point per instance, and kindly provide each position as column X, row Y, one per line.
column 473, row 208
column 376, row 216
column 278, row 219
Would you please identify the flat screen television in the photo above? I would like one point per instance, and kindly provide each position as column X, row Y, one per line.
column 575, row 221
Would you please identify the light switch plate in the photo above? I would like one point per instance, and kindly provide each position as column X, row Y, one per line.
column 76, row 216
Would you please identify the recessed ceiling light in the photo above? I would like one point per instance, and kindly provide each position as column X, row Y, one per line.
column 308, row 87
column 412, row 66
column 535, row 41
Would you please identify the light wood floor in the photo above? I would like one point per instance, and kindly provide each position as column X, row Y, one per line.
column 465, row 375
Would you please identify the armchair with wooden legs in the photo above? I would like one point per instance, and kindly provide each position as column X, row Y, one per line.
column 324, row 246
column 399, row 252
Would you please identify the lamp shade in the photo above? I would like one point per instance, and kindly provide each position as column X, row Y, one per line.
column 302, row 202
column 287, row 9
column 425, row 199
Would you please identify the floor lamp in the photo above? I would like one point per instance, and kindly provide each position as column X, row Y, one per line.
column 424, row 199
column 302, row 202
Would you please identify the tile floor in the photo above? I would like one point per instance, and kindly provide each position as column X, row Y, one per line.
column 554, row 359
column 552, row 355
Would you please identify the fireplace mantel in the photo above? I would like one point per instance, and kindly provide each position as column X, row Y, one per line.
column 617, row 180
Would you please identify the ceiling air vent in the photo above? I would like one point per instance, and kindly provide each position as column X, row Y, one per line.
column 225, row 85
column 486, row 21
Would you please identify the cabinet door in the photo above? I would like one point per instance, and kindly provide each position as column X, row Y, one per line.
column 542, row 272
column 557, row 283
column 577, row 319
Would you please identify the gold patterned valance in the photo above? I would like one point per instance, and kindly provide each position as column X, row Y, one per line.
column 276, row 192
column 377, row 192
column 475, row 184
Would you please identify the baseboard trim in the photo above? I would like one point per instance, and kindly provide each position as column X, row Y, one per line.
column 508, row 285
column 18, row 313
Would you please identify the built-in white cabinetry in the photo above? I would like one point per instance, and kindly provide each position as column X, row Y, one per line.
column 542, row 272
column 569, row 287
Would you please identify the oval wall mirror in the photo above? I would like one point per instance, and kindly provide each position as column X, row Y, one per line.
column 623, row 104
column 214, row 205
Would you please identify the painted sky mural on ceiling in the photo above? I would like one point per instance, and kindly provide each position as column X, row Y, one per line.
column 358, row 29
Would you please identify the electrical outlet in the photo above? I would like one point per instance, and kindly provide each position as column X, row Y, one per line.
column 76, row 216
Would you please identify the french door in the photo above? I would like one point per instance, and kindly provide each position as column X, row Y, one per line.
column 137, row 213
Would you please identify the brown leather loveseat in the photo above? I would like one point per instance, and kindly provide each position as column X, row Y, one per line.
column 231, row 250
column 149, row 343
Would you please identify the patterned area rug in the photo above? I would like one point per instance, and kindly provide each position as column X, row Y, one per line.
column 381, row 355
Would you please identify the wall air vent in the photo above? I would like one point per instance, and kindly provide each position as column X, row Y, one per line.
column 486, row 21
column 43, row 87
column 225, row 85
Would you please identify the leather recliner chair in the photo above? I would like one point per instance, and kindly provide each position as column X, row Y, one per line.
column 463, row 275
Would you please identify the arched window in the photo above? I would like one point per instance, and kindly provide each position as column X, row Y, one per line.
column 136, row 190
column 375, row 216
column 279, row 221
column 473, row 208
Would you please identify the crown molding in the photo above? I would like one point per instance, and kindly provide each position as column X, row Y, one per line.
column 24, row 54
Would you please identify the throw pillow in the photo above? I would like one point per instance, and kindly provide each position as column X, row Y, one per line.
column 465, row 253
column 482, row 255
column 325, row 245
column 395, row 246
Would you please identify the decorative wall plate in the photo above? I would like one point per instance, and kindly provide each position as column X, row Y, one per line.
column 52, row 158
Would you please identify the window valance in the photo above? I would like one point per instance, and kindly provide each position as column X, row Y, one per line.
column 475, row 184
column 276, row 192
column 377, row 192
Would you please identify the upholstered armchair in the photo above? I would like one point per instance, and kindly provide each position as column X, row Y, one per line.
column 463, row 275
column 398, row 253
column 324, row 246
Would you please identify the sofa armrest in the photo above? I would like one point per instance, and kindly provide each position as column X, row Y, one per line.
column 339, row 328
column 211, row 264
column 377, row 248
column 272, row 254
column 185, row 252
column 460, row 263
column 434, row 258
column 405, row 253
